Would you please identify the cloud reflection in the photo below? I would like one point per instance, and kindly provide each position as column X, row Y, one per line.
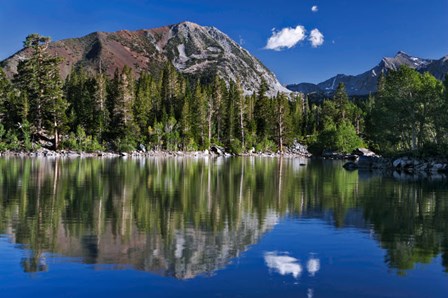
column 313, row 266
column 283, row 264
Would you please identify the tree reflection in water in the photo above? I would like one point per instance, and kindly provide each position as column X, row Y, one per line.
column 184, row 217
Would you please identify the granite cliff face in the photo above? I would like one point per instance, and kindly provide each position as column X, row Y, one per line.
column 366, row 83
column 193, row 50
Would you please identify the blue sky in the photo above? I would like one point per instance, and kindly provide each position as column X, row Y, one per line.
column 356, row 33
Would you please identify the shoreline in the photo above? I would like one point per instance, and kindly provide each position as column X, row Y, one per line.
column 45, row 153
column 402, row 168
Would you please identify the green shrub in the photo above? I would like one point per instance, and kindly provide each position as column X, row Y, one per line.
column 266, row 145
column 190, row 145
column 341, row 139
column 236, row 146
column 3, row 146
column 12, row 141
column 124, row 145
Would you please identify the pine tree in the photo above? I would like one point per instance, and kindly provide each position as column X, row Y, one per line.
column 102, row 119
column 142, row 108
column 170, row 89
column 341, row 100
column 123, row 121
column 39, row 78
column 297, row 118
column 219, row 106
column 186, row 122
column 283, row 120
column 79, row 95
column 199, row 116
column 263, row 113
column 5, row 93
column 240, row 105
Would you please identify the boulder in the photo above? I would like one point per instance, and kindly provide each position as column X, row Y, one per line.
column 400, row 162
column 363, row 152
column 217, row 149
column 437, row 167
column 297, row 148
column 142, row 147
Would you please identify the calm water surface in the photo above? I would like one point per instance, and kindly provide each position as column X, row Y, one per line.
column 240, row 227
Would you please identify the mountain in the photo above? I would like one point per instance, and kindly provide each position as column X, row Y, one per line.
column 366, row 83
column 193, row 49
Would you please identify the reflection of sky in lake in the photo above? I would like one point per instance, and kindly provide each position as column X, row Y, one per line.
column 313, row 266
column 284, row 264
column 190, row 228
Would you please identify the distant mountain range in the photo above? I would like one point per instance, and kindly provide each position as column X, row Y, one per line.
column 193, row 49
column 366, row 83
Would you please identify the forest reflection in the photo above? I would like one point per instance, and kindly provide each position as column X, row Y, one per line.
column 186, row 217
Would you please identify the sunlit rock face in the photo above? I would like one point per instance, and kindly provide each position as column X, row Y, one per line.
column 194, row 50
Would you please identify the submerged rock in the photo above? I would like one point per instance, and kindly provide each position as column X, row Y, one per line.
column 351, row 166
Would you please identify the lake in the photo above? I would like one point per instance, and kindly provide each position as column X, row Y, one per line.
column 235, row 227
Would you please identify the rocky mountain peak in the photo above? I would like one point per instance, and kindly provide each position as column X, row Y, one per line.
column 193, row 49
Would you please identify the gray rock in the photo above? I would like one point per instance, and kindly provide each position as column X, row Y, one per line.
column 398, row 163
column 217, row 149
column 363, row 152
column 437, row 166
column 297, row 148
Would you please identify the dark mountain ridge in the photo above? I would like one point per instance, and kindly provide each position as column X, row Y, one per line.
column 366, row 83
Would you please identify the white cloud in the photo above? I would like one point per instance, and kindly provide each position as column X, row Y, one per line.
column 316, row 38
column 314, row 8
column 284, row 265
column 285, row 38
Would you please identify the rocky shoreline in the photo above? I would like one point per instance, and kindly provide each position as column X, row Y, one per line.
column 295, row 150
column 360, row 159
column 401, row 167
column 42, row 153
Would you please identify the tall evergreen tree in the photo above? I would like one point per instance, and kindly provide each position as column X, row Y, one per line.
column 241, row 111
column 39, row 78
column 198, row 110
column 263, row 113
column 123, row 121
column 283, row 120
column 143, row 103
column 219, row 105
column 5, row 94
column 170, row 89
column 102, row 118
column 341, row 100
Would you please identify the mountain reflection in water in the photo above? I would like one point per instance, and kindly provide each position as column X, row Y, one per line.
column 189, row 217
